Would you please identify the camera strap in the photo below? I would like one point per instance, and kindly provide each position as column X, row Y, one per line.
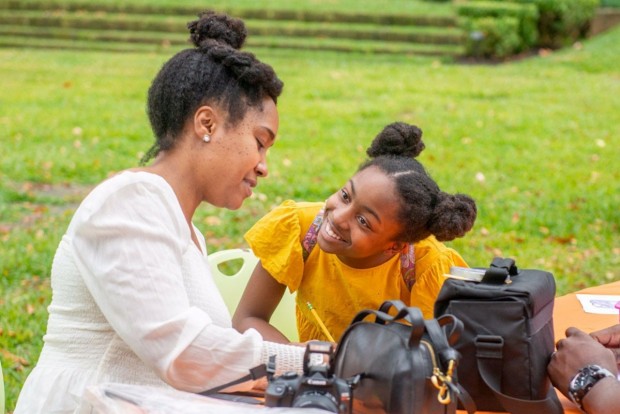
column 257, row 372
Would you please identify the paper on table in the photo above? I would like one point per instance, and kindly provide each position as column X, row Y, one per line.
column 604, row 304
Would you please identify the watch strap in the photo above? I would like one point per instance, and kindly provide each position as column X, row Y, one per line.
column 584, row 380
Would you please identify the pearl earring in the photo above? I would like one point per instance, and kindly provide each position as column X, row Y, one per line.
column 206, row 138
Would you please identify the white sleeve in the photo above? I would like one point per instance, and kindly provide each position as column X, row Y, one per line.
column 129, row 246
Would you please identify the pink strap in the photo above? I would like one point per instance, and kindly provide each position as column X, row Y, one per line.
column 309, row 240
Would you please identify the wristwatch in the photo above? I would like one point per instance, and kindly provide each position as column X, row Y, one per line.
column 584, row 381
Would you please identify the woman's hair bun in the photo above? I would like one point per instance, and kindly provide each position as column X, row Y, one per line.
column 399, row 139
column 221, row 28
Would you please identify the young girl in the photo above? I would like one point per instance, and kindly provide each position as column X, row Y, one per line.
column 377, row 238
column 133, row 297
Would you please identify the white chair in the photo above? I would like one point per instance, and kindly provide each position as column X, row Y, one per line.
column 232, row 287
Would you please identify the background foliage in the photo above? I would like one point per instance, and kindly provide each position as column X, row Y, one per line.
column 499, row 28
column 535, row 142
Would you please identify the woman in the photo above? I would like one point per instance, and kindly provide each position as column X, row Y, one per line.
column 377, row 238
column 133, row 297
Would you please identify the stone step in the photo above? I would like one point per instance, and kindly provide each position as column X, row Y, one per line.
column 142, row 40
column 155, row 27
column 406, row 19
column 177, row 24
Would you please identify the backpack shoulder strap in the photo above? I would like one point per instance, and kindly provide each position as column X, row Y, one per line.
column 407, row 256
column 489, row 360
column 407, row 265
column 309, row 240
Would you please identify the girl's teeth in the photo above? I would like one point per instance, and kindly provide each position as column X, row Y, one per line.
column 329, row 231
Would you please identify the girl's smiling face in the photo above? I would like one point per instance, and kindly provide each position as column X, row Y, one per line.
column 361, row 220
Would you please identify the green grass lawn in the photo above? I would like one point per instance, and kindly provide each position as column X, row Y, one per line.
column 535, row 142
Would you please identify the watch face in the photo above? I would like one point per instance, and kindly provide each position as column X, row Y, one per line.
column 584, row 381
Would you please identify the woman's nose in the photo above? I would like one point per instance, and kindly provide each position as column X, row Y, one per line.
column 261, row 169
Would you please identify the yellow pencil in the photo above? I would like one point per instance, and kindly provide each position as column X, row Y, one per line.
column 320, row 322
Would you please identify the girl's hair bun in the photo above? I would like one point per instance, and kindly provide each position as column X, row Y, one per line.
column 397, row 139
column 221, row 28
column 454, row 215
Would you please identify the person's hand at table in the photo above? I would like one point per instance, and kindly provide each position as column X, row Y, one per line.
column 610, row 339
column 578, row 351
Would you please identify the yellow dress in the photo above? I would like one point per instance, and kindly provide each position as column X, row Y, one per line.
column 338, row 292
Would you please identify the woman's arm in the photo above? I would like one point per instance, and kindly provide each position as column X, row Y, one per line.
column 260, row 299
column 129, row 244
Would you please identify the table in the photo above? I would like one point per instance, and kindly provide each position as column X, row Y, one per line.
column 139, row 399
column 567, row 312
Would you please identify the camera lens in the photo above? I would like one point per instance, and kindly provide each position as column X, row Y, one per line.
column 317, row 399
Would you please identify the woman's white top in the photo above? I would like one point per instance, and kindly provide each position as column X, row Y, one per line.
column 134, row 302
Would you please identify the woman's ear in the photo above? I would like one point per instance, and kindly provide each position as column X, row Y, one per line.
column 205, row 121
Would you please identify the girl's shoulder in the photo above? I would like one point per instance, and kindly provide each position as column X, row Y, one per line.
column 430, row 251
column 302, row 211
column 429, row 243
column 307, row 211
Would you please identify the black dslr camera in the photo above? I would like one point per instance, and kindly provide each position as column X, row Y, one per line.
column 317, row 387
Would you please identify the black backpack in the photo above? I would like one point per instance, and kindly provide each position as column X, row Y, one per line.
column 507, row 339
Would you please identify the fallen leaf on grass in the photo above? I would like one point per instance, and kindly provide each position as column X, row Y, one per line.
column 15, row 359
column 212, row 221
column 494, row 250
column 544, row 52
column 563, row 239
